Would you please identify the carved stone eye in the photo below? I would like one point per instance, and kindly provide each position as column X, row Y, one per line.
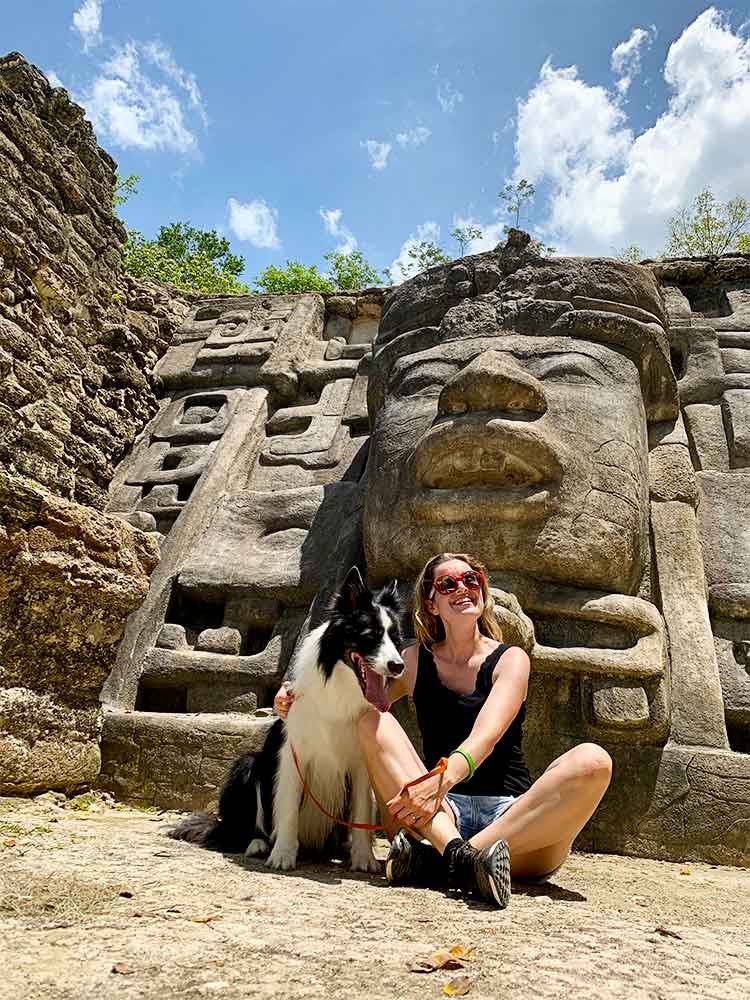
column 741, row 652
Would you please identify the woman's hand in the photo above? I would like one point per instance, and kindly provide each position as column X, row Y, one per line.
column 283, row 700
column 416, row 805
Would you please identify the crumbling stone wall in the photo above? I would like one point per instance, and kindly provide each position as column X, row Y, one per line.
column 77, row 338
column 78, row 342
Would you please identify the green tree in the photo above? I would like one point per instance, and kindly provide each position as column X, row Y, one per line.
column 350, row 272
column 124, row 188
column 709, row 227
column 464, row 236
column 631, row 253
column 517, row 198
column 424, row 255
column 195, row 260
column 295, row 277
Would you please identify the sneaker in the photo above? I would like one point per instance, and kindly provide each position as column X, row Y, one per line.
column 484, row 873
column 413, row 862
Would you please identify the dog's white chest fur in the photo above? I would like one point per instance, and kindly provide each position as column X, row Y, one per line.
column 322, row 728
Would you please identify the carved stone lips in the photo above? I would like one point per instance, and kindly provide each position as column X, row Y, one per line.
column 476, row 462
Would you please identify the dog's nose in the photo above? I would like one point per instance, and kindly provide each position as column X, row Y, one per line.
column 395, row 667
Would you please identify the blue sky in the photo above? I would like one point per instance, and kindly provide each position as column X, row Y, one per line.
column 297, row 127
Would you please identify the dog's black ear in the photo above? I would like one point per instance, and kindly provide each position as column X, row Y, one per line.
column 352, row 591
column 389, row 598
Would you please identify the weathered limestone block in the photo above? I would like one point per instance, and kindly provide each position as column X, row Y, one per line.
column 220, row 640
column 708, row 437
column 245, row 341
column 735, row 406
column 272, row 545
column 697, row 707
column 174, row 761
column 69, row 577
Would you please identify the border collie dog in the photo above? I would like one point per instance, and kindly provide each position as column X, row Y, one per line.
column 341, row 667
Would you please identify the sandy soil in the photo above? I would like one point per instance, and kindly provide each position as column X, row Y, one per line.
column 98, row 903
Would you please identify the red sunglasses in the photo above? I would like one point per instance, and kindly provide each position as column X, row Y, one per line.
column 472, row 579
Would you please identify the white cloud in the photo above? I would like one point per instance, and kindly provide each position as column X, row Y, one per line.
column 626, row 57
column 448, row 97
column 53, row 79
column 160, row 56
column 87, row 21
column 416, row 136
column 332, row 221
column 130, row 108
column 254, row 222
column 403, row 266
column 378, row 152
column 609, row 187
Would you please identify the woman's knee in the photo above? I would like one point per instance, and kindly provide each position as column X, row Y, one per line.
column 590, row 764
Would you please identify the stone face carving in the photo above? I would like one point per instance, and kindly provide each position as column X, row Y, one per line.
column 527, row 410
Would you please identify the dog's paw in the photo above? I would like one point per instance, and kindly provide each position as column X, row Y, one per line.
column 283, row 859
column 365, row 861
column 255, row 847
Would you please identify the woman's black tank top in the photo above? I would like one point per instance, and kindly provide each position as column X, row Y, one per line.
column 446, row 718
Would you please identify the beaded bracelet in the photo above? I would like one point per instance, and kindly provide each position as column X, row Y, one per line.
column 469, row 760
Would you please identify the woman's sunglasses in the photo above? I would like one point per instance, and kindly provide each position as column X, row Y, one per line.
column 472, row 579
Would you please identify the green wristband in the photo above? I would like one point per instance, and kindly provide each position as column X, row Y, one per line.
column 469, row 760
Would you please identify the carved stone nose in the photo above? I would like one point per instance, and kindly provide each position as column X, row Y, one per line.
column 492, row 381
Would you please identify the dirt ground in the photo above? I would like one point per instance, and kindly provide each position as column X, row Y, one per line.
column 96, row 902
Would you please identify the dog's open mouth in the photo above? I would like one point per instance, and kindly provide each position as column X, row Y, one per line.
column 372, row 684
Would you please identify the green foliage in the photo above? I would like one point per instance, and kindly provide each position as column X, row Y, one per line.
column 464, row 235
column 350, row 272
column 517, row 198
column 124, row 188
column 545, row 249
column 424, row 255
column 632, row 254
column 709, row 228
column 295, row 277
column 195, row 260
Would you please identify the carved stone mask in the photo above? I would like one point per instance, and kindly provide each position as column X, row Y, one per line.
column 509, row 433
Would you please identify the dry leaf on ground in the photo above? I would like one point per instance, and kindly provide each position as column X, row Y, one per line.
column 444, row 958
column 208, row 919
column 457, row 987
column 122, row 969
column 686, row 871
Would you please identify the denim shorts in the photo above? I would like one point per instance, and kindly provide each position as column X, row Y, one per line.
column 475, row 812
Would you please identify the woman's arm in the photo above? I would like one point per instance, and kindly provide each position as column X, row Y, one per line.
column 403, row 685
column 510, row 681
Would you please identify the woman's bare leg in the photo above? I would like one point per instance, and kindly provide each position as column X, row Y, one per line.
column 391, row 762
column 542, row 824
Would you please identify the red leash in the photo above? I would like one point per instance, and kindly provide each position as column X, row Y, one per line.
column 437, row 769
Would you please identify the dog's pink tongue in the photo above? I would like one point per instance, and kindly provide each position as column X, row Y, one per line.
column 375, row 691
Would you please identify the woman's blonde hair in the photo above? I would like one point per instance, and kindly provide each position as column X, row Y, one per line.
column 428, row 628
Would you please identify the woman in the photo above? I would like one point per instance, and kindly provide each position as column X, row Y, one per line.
column 483, row 819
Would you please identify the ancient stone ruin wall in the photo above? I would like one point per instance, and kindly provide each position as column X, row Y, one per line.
column 709, row 307
column 249, row 477
column 531, row 410
column 78, row 342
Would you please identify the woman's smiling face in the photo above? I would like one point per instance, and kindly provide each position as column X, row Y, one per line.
column 465, row 602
